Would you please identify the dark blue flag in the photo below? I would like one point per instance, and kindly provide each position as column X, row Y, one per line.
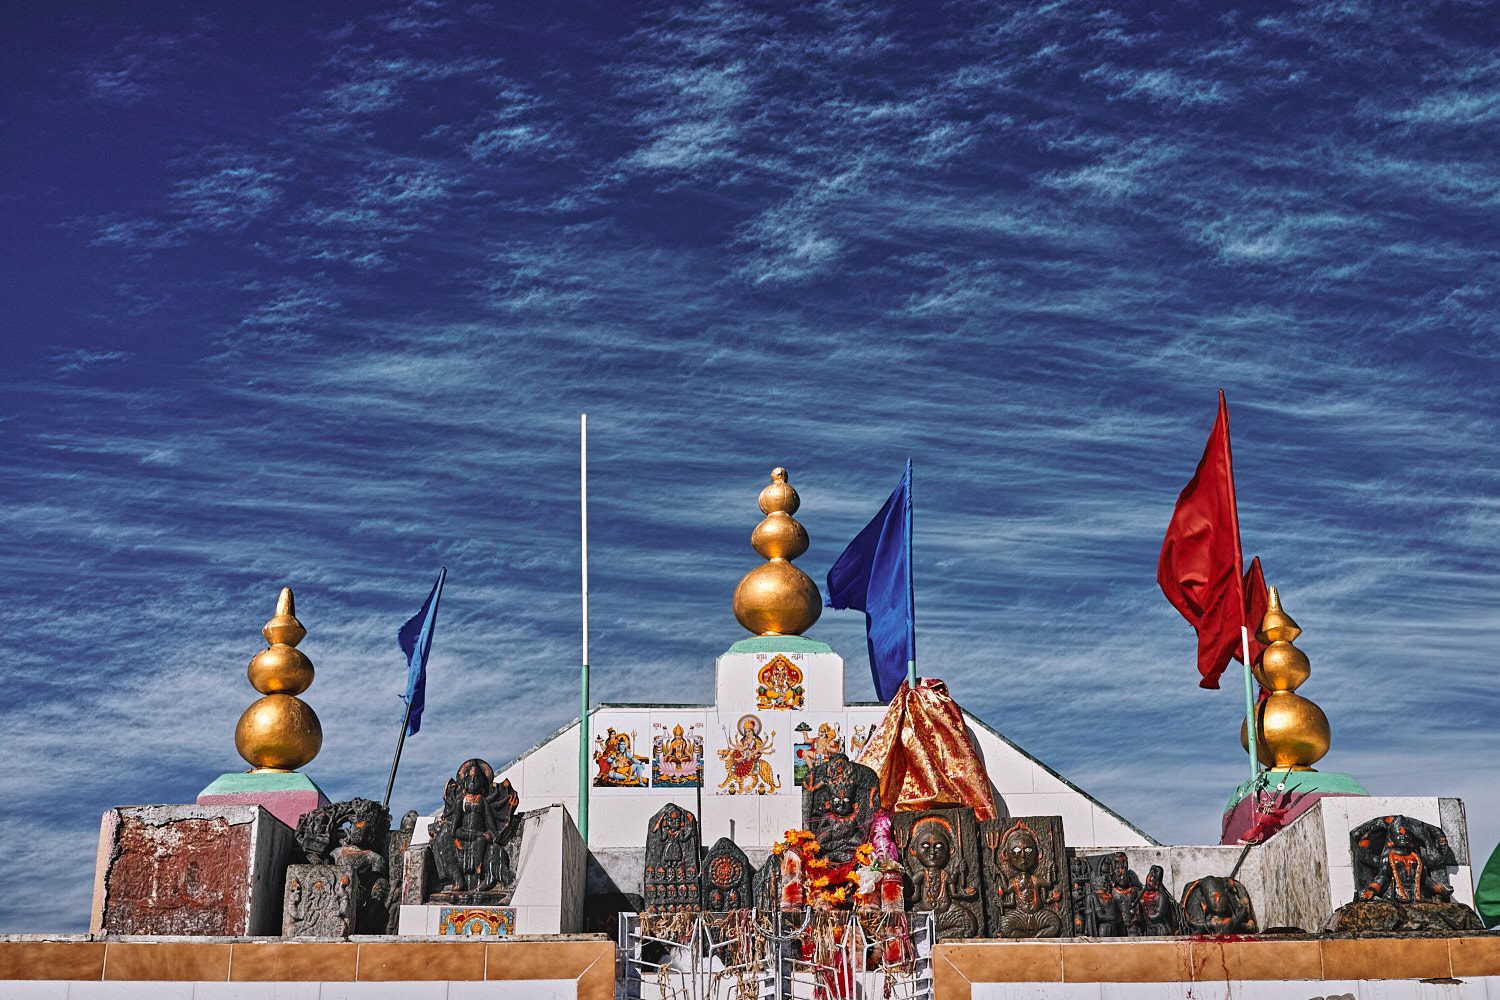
column 415, row 638
column 874, row 576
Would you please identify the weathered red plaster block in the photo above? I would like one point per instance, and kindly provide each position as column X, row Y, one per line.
column 190, row 870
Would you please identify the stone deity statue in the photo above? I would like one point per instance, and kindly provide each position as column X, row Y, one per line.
column 1028, row 902
column 1159, row 911
column 940, row 874
column 470, row 837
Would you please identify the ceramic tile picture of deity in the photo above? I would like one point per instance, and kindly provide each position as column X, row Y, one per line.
column 677, row 755
column 858, row 737
column 616, row 763
column 779, row 684
column 747, row 759
column 813, row 747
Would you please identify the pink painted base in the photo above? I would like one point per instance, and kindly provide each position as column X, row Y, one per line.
column 285, row 806
column 1239, row 819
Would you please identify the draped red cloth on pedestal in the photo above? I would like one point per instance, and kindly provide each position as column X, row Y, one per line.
column 922, row 753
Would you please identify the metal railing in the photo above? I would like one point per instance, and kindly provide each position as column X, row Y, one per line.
column 743, row 955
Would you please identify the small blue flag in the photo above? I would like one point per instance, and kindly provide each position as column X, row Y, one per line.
column 874, row 576
column 415, row 638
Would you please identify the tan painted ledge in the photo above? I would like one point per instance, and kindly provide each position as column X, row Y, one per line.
column 587, row 958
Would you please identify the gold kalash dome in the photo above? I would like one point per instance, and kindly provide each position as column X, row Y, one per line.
column 280, row 732
column 777, row 598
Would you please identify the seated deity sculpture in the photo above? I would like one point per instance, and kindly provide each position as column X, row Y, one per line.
column 1402, row 875
column 1027, row 898
column 935, row 885
column 1115, row 905
column 361, row 828
column 1217, row 905
column 1159, row 911
column 1400, row 866
column 839, row 806
column 470, row 836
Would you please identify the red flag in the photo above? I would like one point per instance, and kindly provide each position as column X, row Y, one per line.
column 1255, row 609
column 1256, row 599
column 1199, row 569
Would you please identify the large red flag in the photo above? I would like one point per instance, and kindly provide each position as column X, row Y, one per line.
column 1256, row 600
column 1199, row 569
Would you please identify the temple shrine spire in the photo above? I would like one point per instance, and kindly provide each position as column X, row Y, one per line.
column 777, row 598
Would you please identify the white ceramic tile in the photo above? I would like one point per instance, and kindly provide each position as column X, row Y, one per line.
column 1406, row 989
column 256, row 991
column 745, row 810
column 1163, row 991
column 619, row 820
column 1293, row 989
column 1034, row 991
column 383, row 991
column 538, row 919
column 153, row 990
column 777, row 728
column 35, row 989
column 518, row 989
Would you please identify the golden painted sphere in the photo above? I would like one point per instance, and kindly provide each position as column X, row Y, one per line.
column 779, row 495
column 777, row 598
column 280, row 669
column 1282, row 667
column 1291, row 732
column 278, row 732
column 779, row 536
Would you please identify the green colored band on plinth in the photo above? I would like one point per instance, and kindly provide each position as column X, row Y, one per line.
column 251, row 783
column 778, row 644
column 1300, row 782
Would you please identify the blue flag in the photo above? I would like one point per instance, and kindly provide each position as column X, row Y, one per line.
column 874, row 576
column 415, row 638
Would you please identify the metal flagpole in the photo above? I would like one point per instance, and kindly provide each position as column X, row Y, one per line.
column 583, row 715
column 391, row 782
column 911, row 593
column 1249, row 708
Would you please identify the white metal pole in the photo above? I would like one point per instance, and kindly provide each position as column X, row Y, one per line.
column 583, row 715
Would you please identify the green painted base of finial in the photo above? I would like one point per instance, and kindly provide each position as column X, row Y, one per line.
column 778, row 644
column 1300, row 782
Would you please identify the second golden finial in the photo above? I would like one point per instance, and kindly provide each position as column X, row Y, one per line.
column 280, row 732
column 1291, row 732
column 777, row 598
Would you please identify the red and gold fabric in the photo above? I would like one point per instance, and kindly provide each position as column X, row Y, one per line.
column 923, row 755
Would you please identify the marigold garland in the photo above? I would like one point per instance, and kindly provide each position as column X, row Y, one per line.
column 822, row 874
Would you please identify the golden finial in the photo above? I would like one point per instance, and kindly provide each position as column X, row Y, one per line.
column 280, row 732
column 1291, row 732
column 777, row 598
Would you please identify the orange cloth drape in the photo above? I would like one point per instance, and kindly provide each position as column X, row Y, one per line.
column 923, row 756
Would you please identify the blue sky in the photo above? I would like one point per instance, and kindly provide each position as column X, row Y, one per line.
column 315, row 297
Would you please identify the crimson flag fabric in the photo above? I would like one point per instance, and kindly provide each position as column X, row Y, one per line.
column 1199, row 569
column 1256, row 599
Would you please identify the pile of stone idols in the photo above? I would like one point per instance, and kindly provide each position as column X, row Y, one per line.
column 1008, row 878
column 358, row 871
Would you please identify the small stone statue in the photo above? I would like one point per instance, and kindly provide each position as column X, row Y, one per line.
column 1217, row 905
column 1025, row 872
column 941, row 856
column 361, row 828
column 839, row 805
column 470, row 837
column 726, row 878
column 672, row 846
column 1160, row 913
column 1399, row 869
column 1114, row 898
column 768, row 885
column 321, row 902
column 395, row 859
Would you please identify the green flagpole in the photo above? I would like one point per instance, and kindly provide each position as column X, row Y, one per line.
column 583, row 714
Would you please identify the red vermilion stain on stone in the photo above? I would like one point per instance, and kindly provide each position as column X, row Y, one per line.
column 188, row 876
